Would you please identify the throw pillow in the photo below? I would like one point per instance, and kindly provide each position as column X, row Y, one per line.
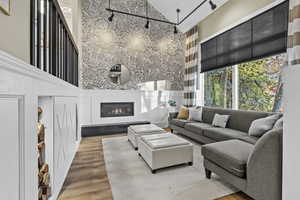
column 195, row 114
column 220, row 120
column 260, row 126
column 183, row 113
column 279, row 123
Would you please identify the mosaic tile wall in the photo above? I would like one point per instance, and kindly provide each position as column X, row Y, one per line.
column 149, row 54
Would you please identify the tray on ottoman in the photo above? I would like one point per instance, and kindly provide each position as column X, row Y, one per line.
column 135, row 132
column 165, row 150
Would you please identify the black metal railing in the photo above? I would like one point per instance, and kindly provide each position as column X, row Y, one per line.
column 52, row 48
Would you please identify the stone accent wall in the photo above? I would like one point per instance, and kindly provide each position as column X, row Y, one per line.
column 149, row 54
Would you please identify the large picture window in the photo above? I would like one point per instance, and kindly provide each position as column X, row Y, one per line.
column 218, row 88
column 258, row 85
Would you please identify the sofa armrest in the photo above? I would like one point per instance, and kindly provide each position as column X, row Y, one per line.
column 264, row 167
column 173, row 115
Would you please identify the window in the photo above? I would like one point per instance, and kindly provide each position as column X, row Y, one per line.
column 260, row 84
column 257, row 84
column 218, row 88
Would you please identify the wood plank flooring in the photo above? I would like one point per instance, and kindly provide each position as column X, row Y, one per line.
column 87, row 178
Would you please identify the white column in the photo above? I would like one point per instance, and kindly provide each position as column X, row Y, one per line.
column 235, row 87
column 200, row 87
column 200, row 91
column 291, row 136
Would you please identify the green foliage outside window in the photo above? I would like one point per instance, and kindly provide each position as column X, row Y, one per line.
column 260, row 85
column 218, row 88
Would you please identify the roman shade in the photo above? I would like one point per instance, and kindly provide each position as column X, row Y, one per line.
column 263, row 35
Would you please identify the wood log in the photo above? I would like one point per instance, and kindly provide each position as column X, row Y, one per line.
column 45, row 169
column 46, row 179
column 40, row 161
column 41, row 132
column 41, row 146
column 40, row 192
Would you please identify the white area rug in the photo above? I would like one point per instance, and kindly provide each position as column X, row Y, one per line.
column 131, row 178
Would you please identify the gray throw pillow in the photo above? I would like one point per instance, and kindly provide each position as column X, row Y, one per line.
column 220, row 120
column 279, row 123
column 260, row 126
column 195, row 114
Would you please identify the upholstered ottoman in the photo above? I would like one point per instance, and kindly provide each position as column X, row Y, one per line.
column 165, row 150
column 136, row 131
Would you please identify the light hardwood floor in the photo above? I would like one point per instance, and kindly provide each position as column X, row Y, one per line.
column 87, row 178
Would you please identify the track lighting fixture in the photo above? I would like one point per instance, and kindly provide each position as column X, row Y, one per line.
column 212, row 5
column 175, row 30
column 111, row 17
column 147, row 24
column 146, row 17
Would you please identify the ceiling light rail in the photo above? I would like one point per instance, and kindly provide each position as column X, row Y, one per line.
column 109, row 9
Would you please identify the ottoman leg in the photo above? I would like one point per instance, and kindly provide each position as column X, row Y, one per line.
column 136, row 148
column 190, row 163
column 208, row 173
column 153, row 171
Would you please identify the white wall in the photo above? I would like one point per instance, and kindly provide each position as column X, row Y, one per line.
column 145, row 101
column 291, row 135
column 27, row 82
column 15, row 30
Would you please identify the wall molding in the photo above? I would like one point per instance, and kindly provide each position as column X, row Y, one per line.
column 13, row 64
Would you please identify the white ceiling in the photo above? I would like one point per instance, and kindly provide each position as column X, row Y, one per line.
column 168, row 9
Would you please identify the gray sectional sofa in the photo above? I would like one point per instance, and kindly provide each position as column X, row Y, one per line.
column 252, row 164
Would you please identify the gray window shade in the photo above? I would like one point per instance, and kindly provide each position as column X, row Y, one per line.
column 261, row 36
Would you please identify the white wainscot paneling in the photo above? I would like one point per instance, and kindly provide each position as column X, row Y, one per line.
column 10, row 149
column 65, row 134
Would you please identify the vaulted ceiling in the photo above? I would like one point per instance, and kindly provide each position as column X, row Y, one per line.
column 168, row 9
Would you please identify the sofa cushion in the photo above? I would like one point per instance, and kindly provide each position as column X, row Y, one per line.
column 195, row 114
column 220, row 120
column 239, row 119
column 230, row 155
column 179, row 122
column 278, row 124
column 183, row 113
column 249, row 139
column 221, row 134
column 197, row 127
column 261, row 126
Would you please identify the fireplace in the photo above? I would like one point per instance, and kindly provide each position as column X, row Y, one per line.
column 118, row 109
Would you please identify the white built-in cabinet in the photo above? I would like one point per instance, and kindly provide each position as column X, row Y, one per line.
column 61, row 137
column 10, row 147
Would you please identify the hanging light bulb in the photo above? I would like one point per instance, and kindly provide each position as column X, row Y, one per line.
column 111, row 17
column 147, row 24
column 175, row 30
column 212, row 5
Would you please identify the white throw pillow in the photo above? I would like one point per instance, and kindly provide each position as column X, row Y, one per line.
column 261, row 126
column 220, row 120
column 279, row 123
column 195, row 114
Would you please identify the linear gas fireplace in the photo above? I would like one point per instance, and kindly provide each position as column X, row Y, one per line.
column 117, row 109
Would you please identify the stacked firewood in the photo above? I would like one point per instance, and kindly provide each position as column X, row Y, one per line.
column 43, row 176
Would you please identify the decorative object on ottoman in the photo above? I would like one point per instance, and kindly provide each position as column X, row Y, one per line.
column 183, row 113
column 136, row 131
column 165, row 150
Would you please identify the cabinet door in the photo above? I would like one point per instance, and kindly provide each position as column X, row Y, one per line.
column 65, row 128
column 9, row 148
